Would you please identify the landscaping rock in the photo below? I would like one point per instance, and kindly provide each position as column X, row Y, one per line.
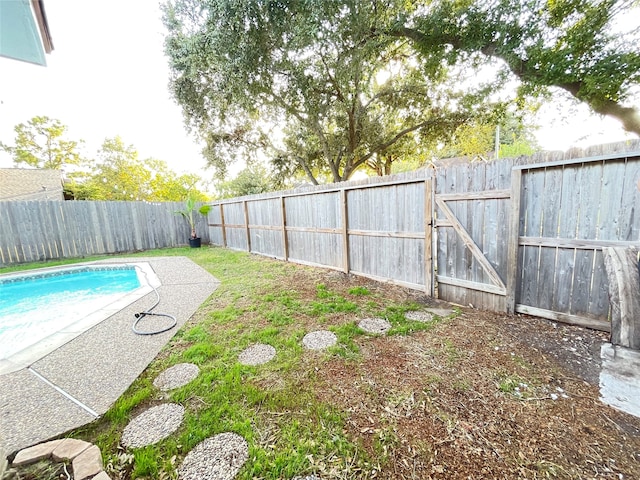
column 176, row 376
column 69, row 449
column 257, row 354
column 87, row 464
column 35, row 453
column 153, row 425
column 319, row 340
column 217, row 458
column 102, row 476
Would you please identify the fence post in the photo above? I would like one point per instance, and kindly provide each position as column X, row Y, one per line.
column 621, row 265
column 285, row 240
column 428, row 235
column 620, row 373
column 246, row 224
column 513, row 240
column 345, row 230
column 224, row 230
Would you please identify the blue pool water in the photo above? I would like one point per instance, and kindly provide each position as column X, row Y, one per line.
column 34, row 306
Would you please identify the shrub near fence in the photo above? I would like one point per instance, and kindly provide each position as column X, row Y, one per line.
column 44, row 230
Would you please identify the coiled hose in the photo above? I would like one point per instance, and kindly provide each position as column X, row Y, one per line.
column 147, row 313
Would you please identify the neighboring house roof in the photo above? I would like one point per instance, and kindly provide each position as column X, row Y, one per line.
column 24, row 31
column 30, row 184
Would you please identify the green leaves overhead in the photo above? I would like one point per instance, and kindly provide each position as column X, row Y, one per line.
column 574, row 45
column 311, row 68
column 119, row 174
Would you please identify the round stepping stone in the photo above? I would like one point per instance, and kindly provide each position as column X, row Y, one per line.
column 319, row 339
column 176, row 376
column 308, row 477
column 441, row 312
column 419, row 316
column 257, row 354
column 377, row 326
column 217, row 458
column 153, row 425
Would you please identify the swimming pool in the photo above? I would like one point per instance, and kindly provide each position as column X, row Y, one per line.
column 44, row 309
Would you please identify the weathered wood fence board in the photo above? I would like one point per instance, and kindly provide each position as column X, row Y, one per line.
column 472, row 231
column 570, row 212
column 520, row 234
column 43, row 230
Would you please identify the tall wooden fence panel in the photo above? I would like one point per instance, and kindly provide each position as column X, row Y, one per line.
column 266, row 232
column 386, row 228
column 236, row 228
column 314, row 232
column 379, row 227
column 43, row 230
column 569, row 211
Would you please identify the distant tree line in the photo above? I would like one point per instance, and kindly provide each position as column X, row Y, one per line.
column 115, row 173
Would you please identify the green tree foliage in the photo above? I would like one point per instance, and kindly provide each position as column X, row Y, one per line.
column 119, row 174
column 477, row 141
column 41, row 143
column 251, row 180
column 311, row 67
column 568, row 44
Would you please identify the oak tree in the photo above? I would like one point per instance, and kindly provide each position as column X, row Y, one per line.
column 239, row 67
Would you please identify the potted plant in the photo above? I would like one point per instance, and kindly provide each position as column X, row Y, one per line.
column 187, row 213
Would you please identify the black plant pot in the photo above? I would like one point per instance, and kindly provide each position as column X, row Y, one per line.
column 194, row 242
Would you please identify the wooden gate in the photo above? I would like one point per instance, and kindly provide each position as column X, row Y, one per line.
column 472, row 202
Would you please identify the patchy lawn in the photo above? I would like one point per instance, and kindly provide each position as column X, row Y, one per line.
column 475, row 395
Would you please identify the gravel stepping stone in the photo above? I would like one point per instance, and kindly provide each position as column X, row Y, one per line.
column 257, row 354
column 308, row 477
column 153, row 425
column 319, row 339
column 217, row 458
column 441, row 312
column 377, row 326
column 176, row 376
column 419, row 316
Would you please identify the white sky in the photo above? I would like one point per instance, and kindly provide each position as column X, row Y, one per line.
column 108, row 76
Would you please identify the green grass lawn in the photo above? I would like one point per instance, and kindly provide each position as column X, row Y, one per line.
column 275, row 406
column 469, row 396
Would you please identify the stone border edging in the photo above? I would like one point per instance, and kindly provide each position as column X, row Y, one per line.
column 86, row 458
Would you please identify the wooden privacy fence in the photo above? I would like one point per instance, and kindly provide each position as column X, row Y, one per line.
column 374, row 228
column 523, row 235
column 44, row 230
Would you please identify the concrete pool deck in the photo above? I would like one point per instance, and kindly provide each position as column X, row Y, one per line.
column 79, row 381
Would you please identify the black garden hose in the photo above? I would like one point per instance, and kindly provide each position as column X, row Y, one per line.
column 140, row 315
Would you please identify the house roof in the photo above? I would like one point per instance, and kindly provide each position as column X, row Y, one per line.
column 30, row 184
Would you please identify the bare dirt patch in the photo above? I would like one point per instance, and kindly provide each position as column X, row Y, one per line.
column 482, row 395
column 485, row 395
